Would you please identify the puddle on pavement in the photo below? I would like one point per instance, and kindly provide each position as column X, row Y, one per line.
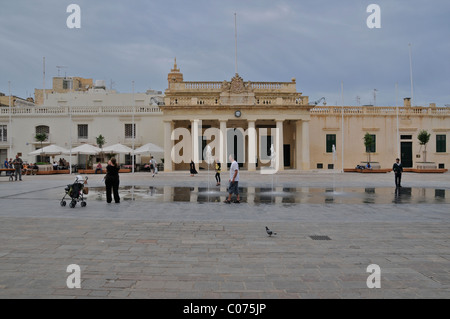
column 280, row 195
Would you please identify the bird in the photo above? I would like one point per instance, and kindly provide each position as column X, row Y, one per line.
column 269, row 232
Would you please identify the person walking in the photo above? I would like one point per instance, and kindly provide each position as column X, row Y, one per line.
column 112, row 181
column 152, row 166
column 218, row 170
column 18, row 165
column 233, row 187
column 398, row 169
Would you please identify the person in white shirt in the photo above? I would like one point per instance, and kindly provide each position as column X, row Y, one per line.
column 233, row 187
column 152, row 166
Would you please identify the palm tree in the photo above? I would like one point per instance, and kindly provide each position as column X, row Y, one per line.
column 100, row 142
column 424, row 138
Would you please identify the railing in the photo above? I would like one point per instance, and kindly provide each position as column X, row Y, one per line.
column 202, row 85
column 79, row 110
column 374, row 110
column 266, row 85
column 47, row 141
column 253, row 85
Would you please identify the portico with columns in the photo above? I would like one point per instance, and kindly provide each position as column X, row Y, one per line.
column 235, row 117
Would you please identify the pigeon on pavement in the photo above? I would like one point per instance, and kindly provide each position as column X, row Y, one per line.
column 269, row 232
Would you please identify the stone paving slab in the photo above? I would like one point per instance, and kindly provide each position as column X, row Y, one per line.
column 214, row 250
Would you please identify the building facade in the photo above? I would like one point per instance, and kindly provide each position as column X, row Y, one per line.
column 256, row 122
column 77, row 117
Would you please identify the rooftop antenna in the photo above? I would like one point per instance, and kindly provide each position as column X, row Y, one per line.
column 235, row 44
column 43, row 91
column 375, row 97
column 59, row 67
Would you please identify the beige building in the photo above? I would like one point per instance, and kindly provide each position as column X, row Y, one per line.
column 394, row 130
column 246, row 118
column 235, row 117
column 78, row 117
column 15, row 101
column 264, row 124
column 63, row 85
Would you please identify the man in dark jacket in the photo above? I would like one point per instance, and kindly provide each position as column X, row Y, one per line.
column 398, row 169
column 18, row 165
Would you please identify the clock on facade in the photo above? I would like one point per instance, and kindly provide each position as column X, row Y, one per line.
column 237, row 113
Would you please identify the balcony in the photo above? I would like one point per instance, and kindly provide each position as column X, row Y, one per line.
column 4, row 140
column 48, row 141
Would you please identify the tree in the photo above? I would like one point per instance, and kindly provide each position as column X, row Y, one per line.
column 41, row 137
column 424, row 138
column 368, row 143
column 100, row 142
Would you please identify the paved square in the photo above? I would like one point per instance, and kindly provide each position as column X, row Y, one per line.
column 147, row 247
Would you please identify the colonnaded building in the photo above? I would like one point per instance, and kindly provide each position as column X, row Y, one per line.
column 251, row 120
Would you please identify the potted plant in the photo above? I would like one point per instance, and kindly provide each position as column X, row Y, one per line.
column 41, row 137
column 368, row 143
column 424, row 138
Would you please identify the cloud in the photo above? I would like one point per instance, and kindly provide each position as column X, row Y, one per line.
column 321, row 43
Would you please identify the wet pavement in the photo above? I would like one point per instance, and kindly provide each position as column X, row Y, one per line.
column 173, row 237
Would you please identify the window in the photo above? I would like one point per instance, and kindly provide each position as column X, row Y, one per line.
column 130, row 130
column 441, row 143
column 82, row 131
column 3, row 133
column 42, row 129
column 372, row 148
column 319, row 165
column 331, row 140
column 67, row 84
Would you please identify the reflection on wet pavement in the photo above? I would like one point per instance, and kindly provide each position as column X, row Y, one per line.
column 282, row 195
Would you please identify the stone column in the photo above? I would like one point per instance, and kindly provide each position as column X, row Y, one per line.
column 168, row 146
column 279, row 145
column 305, row 146
column 298, row 145
column 251, row 158
column 223, row 145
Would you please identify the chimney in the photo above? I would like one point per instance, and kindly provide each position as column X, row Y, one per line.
column 407, row 102
column 433, row 105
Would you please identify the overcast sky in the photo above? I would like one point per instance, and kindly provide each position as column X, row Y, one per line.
column 319, row 42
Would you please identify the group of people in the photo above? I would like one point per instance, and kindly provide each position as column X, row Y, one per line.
column 233, row 186
column 218, row 169
column 16, row 164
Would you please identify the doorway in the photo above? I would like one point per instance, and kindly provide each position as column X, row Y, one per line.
column 287, row 155
column 406, row 154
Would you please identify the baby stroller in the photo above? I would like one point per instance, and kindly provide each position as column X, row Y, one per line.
column 76, row 192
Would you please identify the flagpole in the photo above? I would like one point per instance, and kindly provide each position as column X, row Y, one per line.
column 411, row 75
column 398, row 129
column 235, row 45
column 342, row 123
column 133, row 132
column 10, row 121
